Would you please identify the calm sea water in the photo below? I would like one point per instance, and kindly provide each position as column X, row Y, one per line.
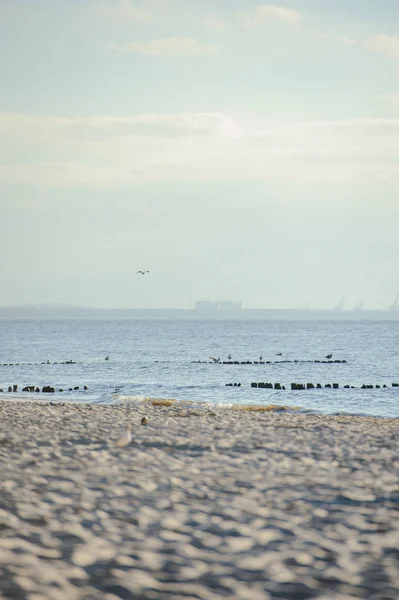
column 153, row 359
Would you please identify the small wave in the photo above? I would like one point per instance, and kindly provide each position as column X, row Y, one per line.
column 149, row 400
column 264, row 408
column 205, row 386
column 169, row 402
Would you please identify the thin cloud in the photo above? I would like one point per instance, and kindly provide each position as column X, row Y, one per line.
column 265, row 14
column 337, row 39
column 212, row 21
column 124, row 10
column 390, row 97
column 55, row 174
column 112, row 151
column 104, row 127
column 384, row 44
column 174, row 46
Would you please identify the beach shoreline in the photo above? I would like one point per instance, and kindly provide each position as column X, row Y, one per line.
column 209, row 503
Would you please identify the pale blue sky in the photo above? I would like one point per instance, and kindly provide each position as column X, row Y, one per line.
column 237, row 149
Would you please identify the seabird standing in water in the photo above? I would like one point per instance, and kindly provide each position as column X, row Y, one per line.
column 329, row 356
column 229, row 357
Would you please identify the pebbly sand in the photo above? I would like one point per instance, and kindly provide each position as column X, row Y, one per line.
column 206, row 504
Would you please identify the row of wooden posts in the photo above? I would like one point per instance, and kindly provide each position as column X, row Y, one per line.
column 268, row 362
column 65, row 362
column 310, row 386
column 45, row 389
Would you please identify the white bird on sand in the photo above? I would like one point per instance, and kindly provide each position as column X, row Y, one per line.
column 142, row 272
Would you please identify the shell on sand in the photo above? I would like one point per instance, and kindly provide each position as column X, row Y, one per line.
column 125, row 439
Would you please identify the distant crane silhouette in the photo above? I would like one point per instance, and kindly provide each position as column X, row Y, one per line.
column 142, row 272
column 359, row 306
column 340, row 305
column 394, row 306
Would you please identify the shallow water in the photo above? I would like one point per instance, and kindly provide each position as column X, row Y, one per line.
column 154, row 359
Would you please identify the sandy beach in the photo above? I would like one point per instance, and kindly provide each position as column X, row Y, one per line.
column 200, row 503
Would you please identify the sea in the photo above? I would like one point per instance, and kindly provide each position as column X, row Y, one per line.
column 171, row 359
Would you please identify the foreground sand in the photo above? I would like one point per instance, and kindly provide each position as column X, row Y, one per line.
column 201, row 504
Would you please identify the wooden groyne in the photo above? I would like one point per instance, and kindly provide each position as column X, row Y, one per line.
column 46, row 389
column 268, row 362
column 37, row 364
column 317, row 386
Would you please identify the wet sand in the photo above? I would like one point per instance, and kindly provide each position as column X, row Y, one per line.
column 206, row 504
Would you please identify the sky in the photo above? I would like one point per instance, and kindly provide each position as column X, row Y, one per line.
column 238, row 150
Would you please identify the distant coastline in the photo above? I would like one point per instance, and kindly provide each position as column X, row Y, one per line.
column 30, row 312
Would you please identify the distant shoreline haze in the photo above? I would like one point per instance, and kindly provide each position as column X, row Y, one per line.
column 77, row 312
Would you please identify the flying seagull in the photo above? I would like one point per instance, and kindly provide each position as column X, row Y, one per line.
column 329, row 356
column 142, row 272
column 215, row 360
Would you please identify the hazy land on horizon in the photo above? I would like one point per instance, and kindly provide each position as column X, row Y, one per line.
column 86, row 312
